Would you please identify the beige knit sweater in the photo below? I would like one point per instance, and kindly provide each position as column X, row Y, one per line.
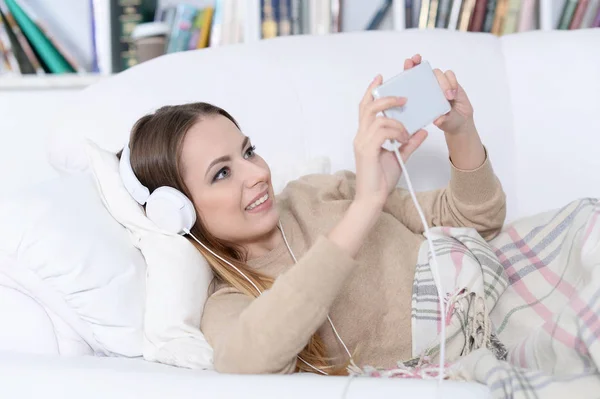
column 368, row 297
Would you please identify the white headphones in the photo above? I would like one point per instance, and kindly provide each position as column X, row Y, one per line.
column 167, row 207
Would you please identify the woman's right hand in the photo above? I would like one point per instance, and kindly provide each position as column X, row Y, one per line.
column 377, row 169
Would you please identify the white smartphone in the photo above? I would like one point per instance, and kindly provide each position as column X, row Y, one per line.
column 425, row 101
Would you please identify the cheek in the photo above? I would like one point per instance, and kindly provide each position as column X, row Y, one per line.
column 219, row 209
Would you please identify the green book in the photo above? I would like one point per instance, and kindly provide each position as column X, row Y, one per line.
column 50, row 56
column 567, row 14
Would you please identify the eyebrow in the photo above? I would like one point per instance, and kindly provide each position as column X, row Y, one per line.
column 225, row 158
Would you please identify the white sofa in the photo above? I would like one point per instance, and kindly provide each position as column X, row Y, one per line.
column 537, row 109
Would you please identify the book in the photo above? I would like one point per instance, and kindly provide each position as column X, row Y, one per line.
column 443, row 13
column 7, row 56
column 501, row 9
column 207, row 17
column 296, row 13
column 433, row 10
column 490, row 14
column 269, row 19
column 478, row 16
column 12, row 29
column 567, row 14
column 590, row 13
column 511, row 18
column 527, row 16
column 181, row 30
column 454, row 14
column 336, row 15
column 284, row 18
column 125, row 15
column 424, row 14
column 60, row 40
column 380, row 14
column 465, row 15
column 578, row 15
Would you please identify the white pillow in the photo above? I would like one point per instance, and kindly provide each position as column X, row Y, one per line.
column 72, row 257
column 178, row 276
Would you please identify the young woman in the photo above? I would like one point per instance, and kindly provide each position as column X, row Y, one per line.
column 325, row 270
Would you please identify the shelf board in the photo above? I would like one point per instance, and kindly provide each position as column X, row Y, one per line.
column 48, row 82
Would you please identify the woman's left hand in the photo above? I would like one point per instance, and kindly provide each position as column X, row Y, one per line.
column 461, row 112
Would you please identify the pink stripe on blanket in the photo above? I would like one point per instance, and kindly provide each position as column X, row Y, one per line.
column 555, row 280
column 542, row 310
column 585, row 313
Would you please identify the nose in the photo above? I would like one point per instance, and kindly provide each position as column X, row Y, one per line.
column 254, row 174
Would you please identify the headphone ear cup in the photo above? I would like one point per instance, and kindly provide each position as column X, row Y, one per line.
column 171, row 210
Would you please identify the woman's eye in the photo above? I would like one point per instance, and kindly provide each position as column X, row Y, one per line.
column 221, row 174
column 250, row 152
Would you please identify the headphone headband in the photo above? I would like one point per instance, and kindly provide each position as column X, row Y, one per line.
column 137, row 190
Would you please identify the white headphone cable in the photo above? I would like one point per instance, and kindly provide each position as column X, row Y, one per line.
column 434, row 269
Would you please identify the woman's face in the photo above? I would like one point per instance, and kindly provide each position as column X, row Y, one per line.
column 230, row 184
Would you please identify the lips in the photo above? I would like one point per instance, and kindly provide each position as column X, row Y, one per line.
column 257, row 198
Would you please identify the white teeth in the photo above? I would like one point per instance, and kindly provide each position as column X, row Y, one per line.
column 258, row 202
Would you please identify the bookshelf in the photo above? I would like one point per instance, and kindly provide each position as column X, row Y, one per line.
column 355, row 15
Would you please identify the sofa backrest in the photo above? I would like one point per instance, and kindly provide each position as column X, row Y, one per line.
column 297, row 97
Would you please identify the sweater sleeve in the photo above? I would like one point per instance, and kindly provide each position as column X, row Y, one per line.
column 265, row 334
column 473, row 198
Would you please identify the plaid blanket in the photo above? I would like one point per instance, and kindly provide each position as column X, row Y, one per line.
column 523, row 310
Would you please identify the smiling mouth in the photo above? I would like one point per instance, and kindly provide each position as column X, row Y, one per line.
column 258, row 202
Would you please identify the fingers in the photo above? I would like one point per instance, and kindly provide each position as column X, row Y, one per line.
column 388, row 128
column 413, row 143
column 368, row 96
column 412, row 61
column 452, row 80
column 381, row 104
column 444, row 84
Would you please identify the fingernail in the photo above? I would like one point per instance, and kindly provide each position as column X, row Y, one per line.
column 454, row 91
column 401, row 100
column 450, row 94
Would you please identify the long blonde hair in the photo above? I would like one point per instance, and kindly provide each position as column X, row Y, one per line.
column 155, row 144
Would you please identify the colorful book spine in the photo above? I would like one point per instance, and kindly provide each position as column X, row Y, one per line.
column 527, row 16
column 296, row 19
column 269, row 19
column 490, row 14
column 443, row 13
column 125, row 16
column 466, row 15
column 207, row 17
column 424, row 15
column 454, row 14
column 478, row 16
column 284, row 18
column 26, row 56
column 68, row 54
column 179, row 38
column 590, row 13
column 7, row 56
column 501, row 9
column 511, row 19
column 567, row 14
column 433, row 10
column 578, row 15
column 597, row 20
